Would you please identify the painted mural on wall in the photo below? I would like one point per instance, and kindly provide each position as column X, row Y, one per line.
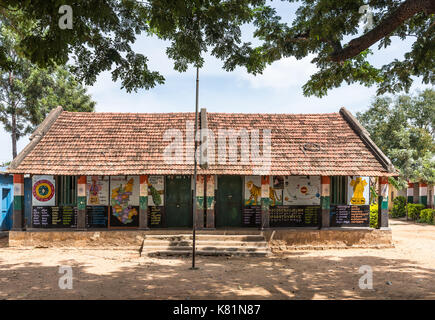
column 156, row 190
column 43, row 190
column 358, row 190
column 302, row 190
column 124, row 198
column 200, row 192
column 252, row 190
column 97, row 191
column 276, row 190
column 210, row 187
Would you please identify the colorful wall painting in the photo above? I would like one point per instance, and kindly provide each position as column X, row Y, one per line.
column 97, row 191
column 124, row 197
column 200, row 192
column 301, row 190
column 252, row 190
column 276, row 191
column 210, row 188
column 156, row 190
column 43, row 190
column 358, row 190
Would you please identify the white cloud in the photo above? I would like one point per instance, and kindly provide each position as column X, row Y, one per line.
column 282, row 74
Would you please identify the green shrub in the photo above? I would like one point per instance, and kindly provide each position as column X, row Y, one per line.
column 414, row 210
column 399, row 207
column 373, row 216
column 426, row 216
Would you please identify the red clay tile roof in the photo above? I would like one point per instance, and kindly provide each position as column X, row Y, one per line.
column 81, row 143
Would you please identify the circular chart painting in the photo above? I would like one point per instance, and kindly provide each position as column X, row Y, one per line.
column 43, row 190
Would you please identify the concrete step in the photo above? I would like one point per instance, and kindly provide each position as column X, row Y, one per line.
column 204, row 252
column 170, row 243
column 210, row 237
column 198, row 247
column 206, row 244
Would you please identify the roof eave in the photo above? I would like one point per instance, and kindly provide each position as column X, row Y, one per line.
column 365, row 137
column 37, row 135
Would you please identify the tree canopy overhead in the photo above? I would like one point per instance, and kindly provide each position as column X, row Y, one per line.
column 321, row 26
column 103, row 32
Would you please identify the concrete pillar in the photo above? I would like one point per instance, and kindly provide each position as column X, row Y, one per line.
column 81, row 203
column 410, row 192
column 383, row 203
column 143, row 203
column 199, row 197
column 18, row 214
column 210, row 201
column 422, row 193
column 325, row 201
column 265, row 201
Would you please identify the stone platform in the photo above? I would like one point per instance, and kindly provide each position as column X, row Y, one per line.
column 288, row 239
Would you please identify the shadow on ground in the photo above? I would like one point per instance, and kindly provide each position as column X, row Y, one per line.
column 293, row 276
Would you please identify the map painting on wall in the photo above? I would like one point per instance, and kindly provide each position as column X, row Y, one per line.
column 358, row 190
column 124, row 196
column 156, row 190
column 97, row 190
column 302, row 190
column 43, row 191
column 252, row 190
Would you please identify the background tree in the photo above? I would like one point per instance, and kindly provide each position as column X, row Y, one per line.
column 103, row 32
column 28, row 93
column 404, row 129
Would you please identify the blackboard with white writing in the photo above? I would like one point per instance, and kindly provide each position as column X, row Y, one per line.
column 97, row 216
column 350, row 215
column 156, row 216
column 251, row 216
column 294, row 216
column 54, row 217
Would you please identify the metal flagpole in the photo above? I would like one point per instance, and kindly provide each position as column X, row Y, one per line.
column 194, row 172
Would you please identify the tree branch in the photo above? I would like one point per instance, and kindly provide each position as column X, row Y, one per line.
column 406, row 10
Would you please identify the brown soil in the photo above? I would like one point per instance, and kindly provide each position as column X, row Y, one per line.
column 404, row 272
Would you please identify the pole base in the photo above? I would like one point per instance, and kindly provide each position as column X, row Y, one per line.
column 193, row 268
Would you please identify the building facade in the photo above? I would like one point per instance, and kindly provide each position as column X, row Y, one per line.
column 135, row 171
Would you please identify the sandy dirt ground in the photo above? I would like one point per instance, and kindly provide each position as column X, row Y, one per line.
column 404, row 272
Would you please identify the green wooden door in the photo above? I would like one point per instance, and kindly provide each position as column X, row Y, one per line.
column 229, row 202
column 178, row 202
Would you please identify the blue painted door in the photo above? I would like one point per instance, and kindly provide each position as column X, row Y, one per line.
column 6, row 209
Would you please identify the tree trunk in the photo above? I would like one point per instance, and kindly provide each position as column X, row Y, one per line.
column 405, row 11
column 14, row 135
column 14, row 117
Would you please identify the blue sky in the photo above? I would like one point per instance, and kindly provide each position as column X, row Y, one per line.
column 277, row 90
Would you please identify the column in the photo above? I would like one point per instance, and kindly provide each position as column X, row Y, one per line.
column 422, row 188
column 325, row 201
column 265, row 201
column 143, row 203
column 81, row 203
column 199, row 197
column 210, row 215
column 383, row 203
column 18, row 214
column 410, row 192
